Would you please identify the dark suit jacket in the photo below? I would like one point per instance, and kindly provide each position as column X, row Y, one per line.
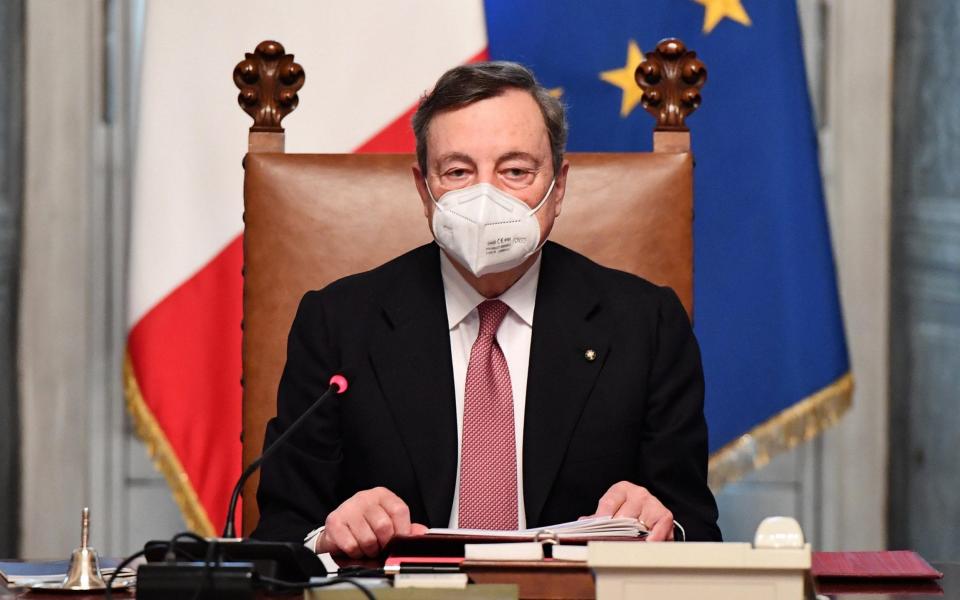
column 634, row 413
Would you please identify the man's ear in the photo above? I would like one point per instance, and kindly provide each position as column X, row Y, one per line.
column 420, row 180
column 560, row 188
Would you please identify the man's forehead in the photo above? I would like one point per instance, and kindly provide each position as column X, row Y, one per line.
column 509, row 123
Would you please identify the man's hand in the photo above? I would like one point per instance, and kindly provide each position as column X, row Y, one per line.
column 625, row 499
column 364, row 523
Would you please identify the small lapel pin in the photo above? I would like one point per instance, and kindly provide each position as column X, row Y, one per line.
column 590, row 355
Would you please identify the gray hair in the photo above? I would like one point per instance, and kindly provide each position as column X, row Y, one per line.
column 466, row 84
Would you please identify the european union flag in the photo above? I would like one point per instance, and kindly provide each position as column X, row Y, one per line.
column 768, row 315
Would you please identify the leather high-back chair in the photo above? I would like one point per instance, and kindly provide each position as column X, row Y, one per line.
column 308, row 216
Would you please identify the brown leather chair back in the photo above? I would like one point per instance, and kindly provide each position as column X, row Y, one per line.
column 312, row 219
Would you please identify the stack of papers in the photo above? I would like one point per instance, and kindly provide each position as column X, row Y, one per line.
column 52, row 571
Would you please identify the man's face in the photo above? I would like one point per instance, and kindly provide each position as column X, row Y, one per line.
column 502, row 141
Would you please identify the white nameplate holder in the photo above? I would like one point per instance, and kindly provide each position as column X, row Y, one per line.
column 775, row 567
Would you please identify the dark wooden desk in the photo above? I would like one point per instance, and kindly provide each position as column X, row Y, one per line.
column 946, row 589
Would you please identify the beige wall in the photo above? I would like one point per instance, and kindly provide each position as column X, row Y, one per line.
column 857, row 178
column 55, row 291
column 77, row 450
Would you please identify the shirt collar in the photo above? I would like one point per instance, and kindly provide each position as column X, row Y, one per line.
column 461, row 298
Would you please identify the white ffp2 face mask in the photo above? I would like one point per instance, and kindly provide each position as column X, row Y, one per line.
column 486, row 229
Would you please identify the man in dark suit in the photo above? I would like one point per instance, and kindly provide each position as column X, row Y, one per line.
column 497, row 380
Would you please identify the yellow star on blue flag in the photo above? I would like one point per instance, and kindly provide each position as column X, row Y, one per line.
column 623, row 78
column 716, row 10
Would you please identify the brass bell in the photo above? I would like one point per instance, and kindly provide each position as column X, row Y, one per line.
column 84, row 572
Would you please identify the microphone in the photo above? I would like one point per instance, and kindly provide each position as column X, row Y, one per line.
column 231, row 567
column 338, row 385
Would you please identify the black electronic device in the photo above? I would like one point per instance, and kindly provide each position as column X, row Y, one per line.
column 163, row 581
column 288, row 561
column 224, row 567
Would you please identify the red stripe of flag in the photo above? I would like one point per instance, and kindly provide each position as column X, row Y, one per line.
column 185, row 353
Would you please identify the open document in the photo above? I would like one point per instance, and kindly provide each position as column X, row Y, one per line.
column 593, row 527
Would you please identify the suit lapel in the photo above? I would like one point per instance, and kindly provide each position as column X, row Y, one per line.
column 411, row 360
column 561, row 376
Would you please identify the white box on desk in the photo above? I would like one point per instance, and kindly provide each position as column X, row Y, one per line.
column 697, row 570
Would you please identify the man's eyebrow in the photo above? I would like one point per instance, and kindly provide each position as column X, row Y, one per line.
column 453, row 156
column 517, row 154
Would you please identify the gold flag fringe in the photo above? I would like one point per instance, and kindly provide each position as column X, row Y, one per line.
column 161, row 453
column 794, row 425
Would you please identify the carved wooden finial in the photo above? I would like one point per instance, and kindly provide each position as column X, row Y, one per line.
column 671, row 77
column 268, row 80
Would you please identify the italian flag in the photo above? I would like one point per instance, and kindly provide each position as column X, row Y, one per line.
column 367, row 64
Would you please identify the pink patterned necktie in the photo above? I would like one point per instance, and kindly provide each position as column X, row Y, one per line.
column 488, row 452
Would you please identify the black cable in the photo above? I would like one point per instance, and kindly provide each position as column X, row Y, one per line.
column 171, row 554
column 362, row 572
column 318, row 584
column 116, row 572
column 211, row 559
column 206, row 573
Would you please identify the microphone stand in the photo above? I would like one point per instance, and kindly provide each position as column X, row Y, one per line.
column 338, row 384
column 231, row 564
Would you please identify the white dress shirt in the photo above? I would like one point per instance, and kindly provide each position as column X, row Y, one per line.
column 514, row 337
